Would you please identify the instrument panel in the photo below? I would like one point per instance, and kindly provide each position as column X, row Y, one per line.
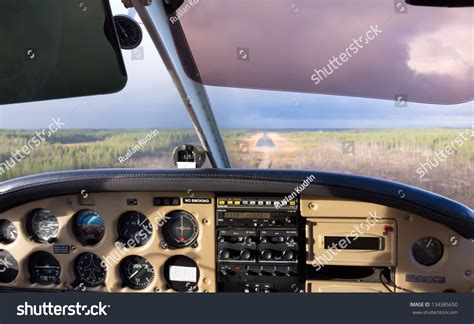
column 111, row 242
column 219, row 242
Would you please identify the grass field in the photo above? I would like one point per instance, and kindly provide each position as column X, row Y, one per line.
column 389, row 154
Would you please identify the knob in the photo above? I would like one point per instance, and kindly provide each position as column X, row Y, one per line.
column 264, row 239
column 245, row 255
column 289, row 219
column 221, row 239
column 291, row 239
column 288, row 255
column 249, row 240
column 224, row 254
column 267, row 255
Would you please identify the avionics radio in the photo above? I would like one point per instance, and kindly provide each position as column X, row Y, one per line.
column 337, row 241
column 258, row 245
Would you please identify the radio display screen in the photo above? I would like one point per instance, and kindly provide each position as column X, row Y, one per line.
column 247, row 215
column 353, row 243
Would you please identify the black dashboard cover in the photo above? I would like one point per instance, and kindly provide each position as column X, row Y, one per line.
column 434, row 207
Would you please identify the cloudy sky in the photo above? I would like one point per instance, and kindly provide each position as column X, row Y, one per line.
column 151, row 101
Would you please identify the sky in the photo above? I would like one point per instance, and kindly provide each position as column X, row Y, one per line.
column 150, row 100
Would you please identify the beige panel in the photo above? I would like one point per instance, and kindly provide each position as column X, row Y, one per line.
column 456, row 265
column 325, row 286
column 318, row 228
column 111, row 206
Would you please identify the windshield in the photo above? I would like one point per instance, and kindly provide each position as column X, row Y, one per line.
column 424, row 145
column 365, row 48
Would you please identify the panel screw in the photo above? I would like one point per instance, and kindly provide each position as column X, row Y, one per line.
column 313, row 206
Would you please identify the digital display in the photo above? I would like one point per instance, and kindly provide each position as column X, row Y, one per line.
column 353, row 243
column 247, row 215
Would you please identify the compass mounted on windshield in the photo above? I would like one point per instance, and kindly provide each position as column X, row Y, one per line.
column 129, row 32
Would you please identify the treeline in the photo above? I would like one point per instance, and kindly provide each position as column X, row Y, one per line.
column 84, row 149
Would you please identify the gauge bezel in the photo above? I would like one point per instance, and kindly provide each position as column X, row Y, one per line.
column 130, row 260
column 121, row 226
column 181, row 286
column 137, row 28
column 419, row 259
column 33, row 233
column 9, row 274
column 171, row 240
column 79, row 274
column 80, row 235
column 32, row 262
column 4, row 224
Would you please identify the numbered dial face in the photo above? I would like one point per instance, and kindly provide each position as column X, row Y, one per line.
column 43, row 226
column 88, row 227
column 89, row 270
column 136, row 272
column 135, row 228
column 8, row 232
column 181, row 229
column 44, row 268
column 428, row 251
column 129, row 32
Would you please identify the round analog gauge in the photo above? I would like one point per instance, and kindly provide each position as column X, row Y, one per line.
column 428, row 251
column 8, row 267
column 134, row 229
column 90, row 270
column 8, row 232
column 42, row 226
column 181, row 229
column 44, row 268
column 88, row 227
column 129, row 32
column 136, row 272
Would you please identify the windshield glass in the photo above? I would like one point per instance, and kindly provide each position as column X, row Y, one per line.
column 424, row 145
column 365, row 48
